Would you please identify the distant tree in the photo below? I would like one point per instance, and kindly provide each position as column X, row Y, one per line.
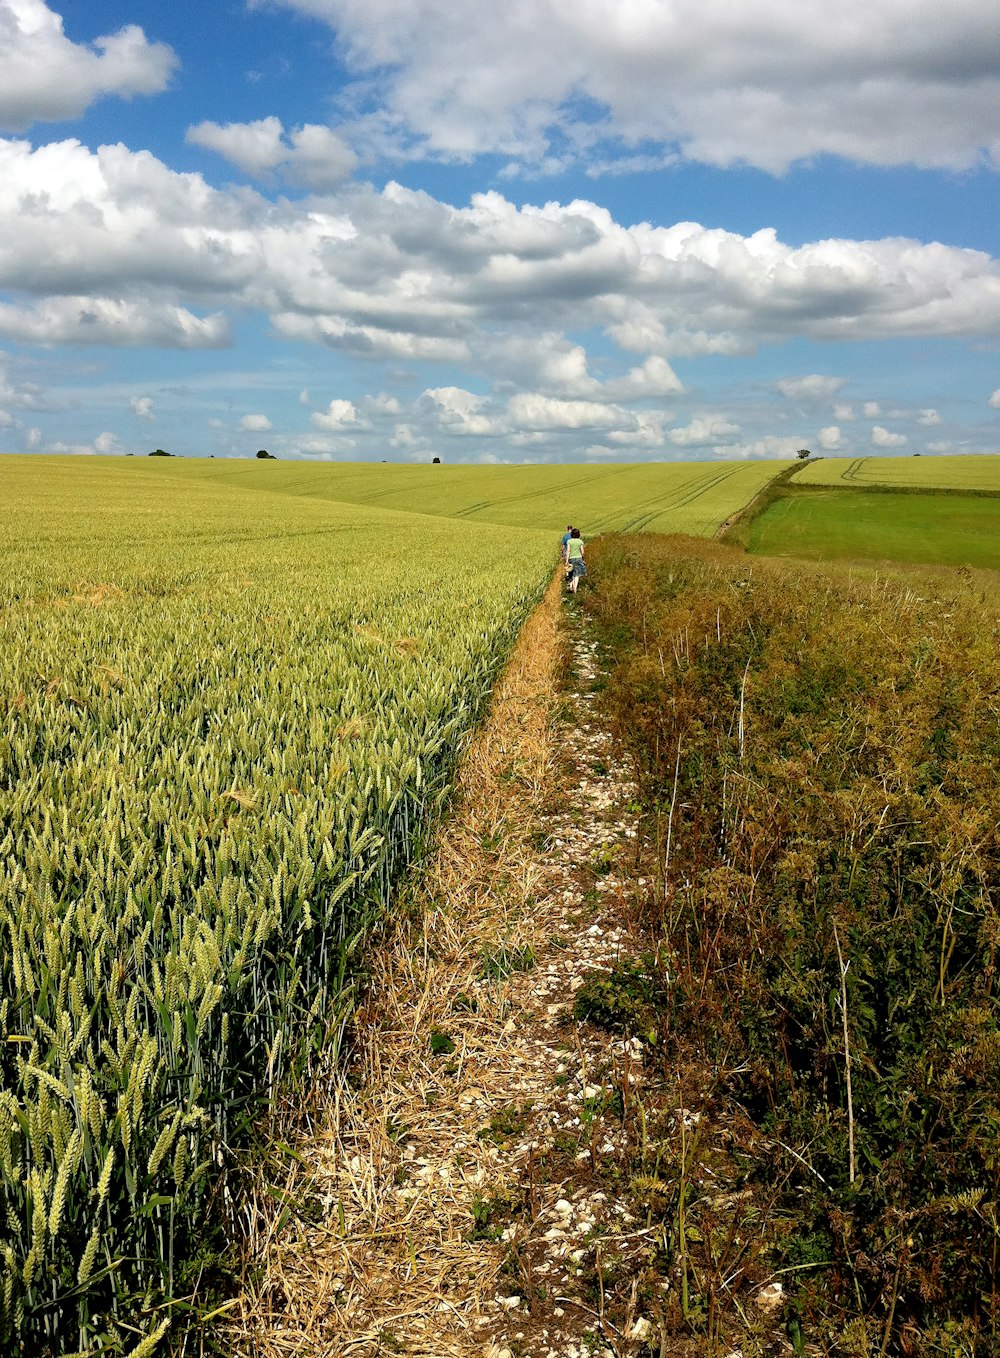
column 264, row 456
column 158, row 452
column 435, row 459
column 803, row 453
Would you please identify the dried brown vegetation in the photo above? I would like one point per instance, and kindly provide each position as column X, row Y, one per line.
column 816, row 755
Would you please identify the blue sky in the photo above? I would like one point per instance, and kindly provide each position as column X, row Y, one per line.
column 543, row 231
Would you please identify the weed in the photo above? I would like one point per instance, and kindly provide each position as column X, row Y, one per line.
column 817, row 773
column 504, row 1124
column 620, row 1000
column 499, row 962
column 442, row 1044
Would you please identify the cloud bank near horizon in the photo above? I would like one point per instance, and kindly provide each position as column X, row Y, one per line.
column 496, row 326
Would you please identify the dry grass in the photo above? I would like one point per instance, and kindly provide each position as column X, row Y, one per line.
column 390, row 1158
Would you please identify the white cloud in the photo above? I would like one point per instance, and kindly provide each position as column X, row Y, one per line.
column 771, row 445
column 381, row 404
column 871, row 410
column 117, row 249
column 928, row 416
column 106, row 320
column 326, row 446
column 45, row 77
column 256, row 148
column 994, row 400
column 109, row 445
column 812, row 389
column 884, row 82
column 304, row 397
column 110, row 247
column 532, row 410
column 339, row 414
column 311, row 155
column 405, row 437
column 648, row 432
column 142, row 406
column 830, row 438
column 883, row 438
column 460, row 412
column 655, row 377
column 256, row 424
column 70, row 449
column 703, row 432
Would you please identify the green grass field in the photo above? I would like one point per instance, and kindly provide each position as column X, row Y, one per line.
column 948, row 530
column 918, row 473
column 667, row 497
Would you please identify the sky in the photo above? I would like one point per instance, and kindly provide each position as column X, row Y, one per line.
column 536, row 231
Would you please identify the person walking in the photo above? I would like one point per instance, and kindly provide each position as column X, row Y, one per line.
column 574, row 558
column 565, row 538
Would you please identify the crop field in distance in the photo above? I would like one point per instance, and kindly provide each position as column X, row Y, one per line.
column 665, row 497
column 980, row 473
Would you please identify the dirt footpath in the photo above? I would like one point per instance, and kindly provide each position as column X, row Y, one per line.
column 468, row 1189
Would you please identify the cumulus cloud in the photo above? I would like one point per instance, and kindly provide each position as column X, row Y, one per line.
column 880, row 82
column 703, row 432
column 994, row 400
column 120, row 250
column 406, row 438
column 142, row 406
column 461, row 412
column 928, row 416
column 106, row 320
column 46, row 78
column 648, row 432
column 871, row 410
column 312, row 156
column 830, row 438
column 256, row 424
column 381, row 404
column 812, row 389
column 111, row 247
column 339, row 414
column 108, row 445
column 883, row 438
column 532, row 410
column 655, row 377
